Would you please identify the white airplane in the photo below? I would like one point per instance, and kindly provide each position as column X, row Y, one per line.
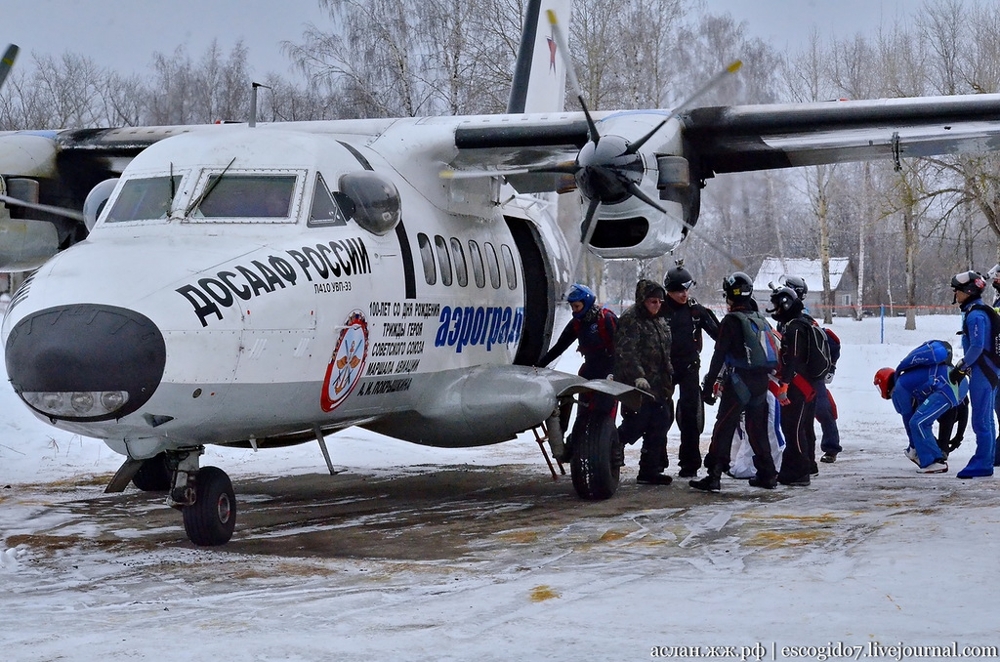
column 263, row 285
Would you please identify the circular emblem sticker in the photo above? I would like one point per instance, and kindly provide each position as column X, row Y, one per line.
column 348, row 362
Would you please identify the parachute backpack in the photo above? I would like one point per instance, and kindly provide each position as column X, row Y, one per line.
column 761, row 343
column 818, row 363
column 932, row 352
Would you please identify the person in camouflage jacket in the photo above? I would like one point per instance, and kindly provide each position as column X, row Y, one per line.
column 642, row 359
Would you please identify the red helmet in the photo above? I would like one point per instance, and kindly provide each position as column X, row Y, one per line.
column 885, row 379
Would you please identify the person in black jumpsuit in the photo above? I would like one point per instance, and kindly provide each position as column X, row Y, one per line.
column 798, row 407
column 744, row 392
column 687, row 320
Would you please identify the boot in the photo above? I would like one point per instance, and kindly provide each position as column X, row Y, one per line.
column 653, row 479
column 755, row 481
column 710, row 483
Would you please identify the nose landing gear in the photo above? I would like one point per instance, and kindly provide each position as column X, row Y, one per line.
column 205, row 497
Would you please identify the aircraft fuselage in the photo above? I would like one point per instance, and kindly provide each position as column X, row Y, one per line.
column 229, row 293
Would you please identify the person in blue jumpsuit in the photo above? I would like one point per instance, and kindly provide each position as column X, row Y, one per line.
column 923, row 393
column 994, row 276
column 980, row 363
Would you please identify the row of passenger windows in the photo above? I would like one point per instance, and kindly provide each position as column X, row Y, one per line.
column 445, row 255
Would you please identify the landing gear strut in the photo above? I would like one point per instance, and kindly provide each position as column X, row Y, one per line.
column 205, row 497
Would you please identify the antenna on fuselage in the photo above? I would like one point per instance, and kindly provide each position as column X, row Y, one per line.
column 253, row 103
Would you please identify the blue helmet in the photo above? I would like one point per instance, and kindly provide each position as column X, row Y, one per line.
column 581, row 293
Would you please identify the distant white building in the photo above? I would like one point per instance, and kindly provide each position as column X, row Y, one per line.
column 843, row 280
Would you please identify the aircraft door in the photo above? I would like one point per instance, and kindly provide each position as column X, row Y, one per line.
column 537, row 286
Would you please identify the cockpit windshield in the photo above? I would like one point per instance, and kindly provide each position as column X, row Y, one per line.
column 144, row 199
column 246, row 196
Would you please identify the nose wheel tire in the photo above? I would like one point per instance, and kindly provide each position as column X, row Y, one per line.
column 211, row 519
column 154, row 475
column 596, row 466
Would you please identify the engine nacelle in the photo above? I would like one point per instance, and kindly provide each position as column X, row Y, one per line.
column 634, row 229
column 25, row 244
column 641, row 150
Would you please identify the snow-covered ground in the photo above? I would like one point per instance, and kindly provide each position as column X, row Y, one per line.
column 870, row 556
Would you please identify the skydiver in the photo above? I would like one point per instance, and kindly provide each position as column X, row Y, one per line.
column 803, row 375
column 994, row 276
column 826, row 408
column 922, row 391
column 593, row 326
column 687, row 319
column 744, row 389
column 642, row 359
column 980, row 362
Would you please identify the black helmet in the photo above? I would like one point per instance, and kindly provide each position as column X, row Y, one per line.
column 678, row 279
column 970, row 282
column 798, row 285
column 786, row 303
column 737, row 285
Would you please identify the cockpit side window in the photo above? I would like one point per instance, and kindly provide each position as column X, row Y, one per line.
column 325, row 210
column 144, row 199
column 248, row 196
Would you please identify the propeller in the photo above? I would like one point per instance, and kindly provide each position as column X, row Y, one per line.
column 608, row 169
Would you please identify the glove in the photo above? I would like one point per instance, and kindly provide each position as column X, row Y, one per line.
column 643, row 384
column 708, row 394
column 829, row 376
column 782, row 395
column 956, row 374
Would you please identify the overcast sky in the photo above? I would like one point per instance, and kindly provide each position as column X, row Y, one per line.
column 124, row 34
column 787, row 23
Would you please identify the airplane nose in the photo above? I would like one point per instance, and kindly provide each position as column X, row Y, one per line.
column 85, row 362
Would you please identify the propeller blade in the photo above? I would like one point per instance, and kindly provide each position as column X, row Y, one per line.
column 732, row 68
column 58, row 211
column 634, row 189
column 563, row 46
column 588, row 221
column 712, row 82
column 7, row 62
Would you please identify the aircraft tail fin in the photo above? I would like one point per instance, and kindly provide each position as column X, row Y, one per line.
column 540, row 72
column 7, row 62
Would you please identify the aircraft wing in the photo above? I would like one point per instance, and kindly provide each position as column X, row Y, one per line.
column 744, row 138
column 529, row 150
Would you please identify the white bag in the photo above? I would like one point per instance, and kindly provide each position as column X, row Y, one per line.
column 741, row 456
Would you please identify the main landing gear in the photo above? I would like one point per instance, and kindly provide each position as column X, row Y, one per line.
column 596, row 455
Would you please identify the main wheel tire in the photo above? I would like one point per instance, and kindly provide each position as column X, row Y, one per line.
column 154, row 475
column 595, row 467
column 211, row 519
